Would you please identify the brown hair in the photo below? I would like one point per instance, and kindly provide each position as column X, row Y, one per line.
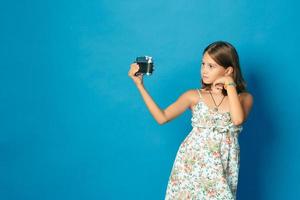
column 226, row 55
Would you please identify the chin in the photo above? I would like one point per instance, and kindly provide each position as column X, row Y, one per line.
column 206, row 82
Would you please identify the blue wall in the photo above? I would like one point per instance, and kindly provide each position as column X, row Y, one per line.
column 73, row 125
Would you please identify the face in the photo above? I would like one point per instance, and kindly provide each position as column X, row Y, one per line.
column 210, row 70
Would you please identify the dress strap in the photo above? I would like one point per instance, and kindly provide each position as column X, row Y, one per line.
column 198, row 90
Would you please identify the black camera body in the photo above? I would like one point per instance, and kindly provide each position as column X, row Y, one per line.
column 146, row 65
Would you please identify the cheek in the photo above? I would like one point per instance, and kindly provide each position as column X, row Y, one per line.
column 214, row 73
column 218, row 73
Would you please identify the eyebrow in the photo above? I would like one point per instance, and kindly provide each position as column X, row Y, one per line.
column 210, row 63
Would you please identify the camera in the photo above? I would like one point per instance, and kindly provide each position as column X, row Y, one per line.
column 145, row 65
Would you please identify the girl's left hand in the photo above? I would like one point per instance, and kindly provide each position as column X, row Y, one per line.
column 220, row 82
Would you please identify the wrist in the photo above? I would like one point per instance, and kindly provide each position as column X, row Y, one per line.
column 229, row 84
column 139, row 85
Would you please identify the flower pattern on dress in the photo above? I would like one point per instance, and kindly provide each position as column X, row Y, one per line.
column 207, row 162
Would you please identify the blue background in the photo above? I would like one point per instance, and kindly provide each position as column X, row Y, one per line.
column 74, row 126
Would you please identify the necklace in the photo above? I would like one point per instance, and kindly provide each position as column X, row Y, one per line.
column 216, row 106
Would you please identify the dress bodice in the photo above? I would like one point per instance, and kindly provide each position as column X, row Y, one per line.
column 205, row 117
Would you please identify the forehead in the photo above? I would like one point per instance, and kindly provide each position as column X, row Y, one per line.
column 206, row 58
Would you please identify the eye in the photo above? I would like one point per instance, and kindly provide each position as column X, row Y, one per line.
column 211, row 66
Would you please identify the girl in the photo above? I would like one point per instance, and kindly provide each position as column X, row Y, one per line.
column 207, row 162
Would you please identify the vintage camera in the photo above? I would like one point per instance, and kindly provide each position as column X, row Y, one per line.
column 145, row 65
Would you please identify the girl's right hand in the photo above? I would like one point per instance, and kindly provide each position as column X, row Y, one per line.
column 138, row 80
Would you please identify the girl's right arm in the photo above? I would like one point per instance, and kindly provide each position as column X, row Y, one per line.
column 172, row 111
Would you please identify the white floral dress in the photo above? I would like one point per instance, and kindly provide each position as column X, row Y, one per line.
column 206, row 166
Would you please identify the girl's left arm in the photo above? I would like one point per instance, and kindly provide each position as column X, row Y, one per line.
column 239, row 106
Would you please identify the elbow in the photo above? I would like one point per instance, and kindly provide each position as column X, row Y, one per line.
column 237, row 122
column 162, row 122
column 163, row 119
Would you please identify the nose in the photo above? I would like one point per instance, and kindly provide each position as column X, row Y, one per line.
column 204, row 71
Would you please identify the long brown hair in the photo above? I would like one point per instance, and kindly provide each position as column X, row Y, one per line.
column 226, row 55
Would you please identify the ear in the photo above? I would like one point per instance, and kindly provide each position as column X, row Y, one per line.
column 229, row 71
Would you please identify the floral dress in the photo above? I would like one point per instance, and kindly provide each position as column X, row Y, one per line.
column 207, row 162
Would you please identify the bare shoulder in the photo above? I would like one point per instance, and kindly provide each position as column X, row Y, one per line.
column 193, row 96
column 246, row 96
column 194, row 93
column 246, row 100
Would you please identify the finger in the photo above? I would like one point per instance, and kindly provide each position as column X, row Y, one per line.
column 135, row 65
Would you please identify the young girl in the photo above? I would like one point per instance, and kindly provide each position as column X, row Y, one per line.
column 207, row 162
